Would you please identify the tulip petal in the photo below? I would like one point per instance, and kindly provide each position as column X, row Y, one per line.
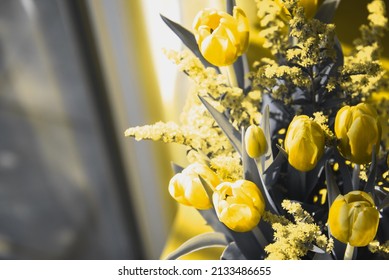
column 304, row 143
column 239, row 217
column 361, row 143
column 176, row 190
column 365, row 227
column 218, row 50
column 338, row 219
column 195, row 194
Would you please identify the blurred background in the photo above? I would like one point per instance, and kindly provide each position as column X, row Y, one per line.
column 74, row 74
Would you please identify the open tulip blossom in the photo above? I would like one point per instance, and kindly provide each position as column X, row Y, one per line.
column 273, row 137
column 186, row 187
column 353, row 218
column 222, row 38
column 239, row 205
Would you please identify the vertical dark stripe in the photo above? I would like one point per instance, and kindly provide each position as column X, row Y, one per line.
column 86, row 43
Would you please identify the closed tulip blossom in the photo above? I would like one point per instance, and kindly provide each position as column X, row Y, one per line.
column 255, row 141
column 358, row 130
column 239, row 205
column 186, row 187
column 353, row 218
column 304, row 143
column 221, row 38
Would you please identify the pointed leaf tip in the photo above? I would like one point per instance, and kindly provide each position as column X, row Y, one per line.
column 188, row 39
column 232, row 134
column 326, row 11
column 332, row 186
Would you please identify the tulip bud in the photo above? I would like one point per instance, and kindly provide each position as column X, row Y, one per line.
column 186, row 187
column 304, row 143
column 358, row 130
column 255, row 141
column 239, row 205
column 221, row 37
column 353, row 218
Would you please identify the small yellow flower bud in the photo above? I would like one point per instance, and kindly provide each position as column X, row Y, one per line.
column 221, row 37
column 255, row 141
column 239, row 205
column 353, row 218
column 186, row 187
column 358, row 130
column 304, row 143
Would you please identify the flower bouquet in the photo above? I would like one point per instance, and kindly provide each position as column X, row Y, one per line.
column 288, row 160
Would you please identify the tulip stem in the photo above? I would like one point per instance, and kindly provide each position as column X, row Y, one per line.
column 229, row 71
column 348, row 254
column 355, row 177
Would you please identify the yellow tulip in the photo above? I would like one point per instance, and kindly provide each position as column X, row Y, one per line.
column 304, row 143
column 221, row 38
column 358, row 130
column 255, row 141
column 353, row 218
column 186, row 187
column 239, row 205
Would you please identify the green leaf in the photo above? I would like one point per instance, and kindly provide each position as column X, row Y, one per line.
column 332, row 186
column 316, row 249
column 207, row 188
column 282, row 151
column 314, row 175
column 202, row 241
column 355, row 178
column 263, row 233
column 384, row 203
column 248, row 245
column 327, row 11
column 265, row 125
column 369, row 187
column 232, row 252
column 232, row 134
column 339, row 248
column 188, row 39
column 272, row 172
column 230, row 6
column 176, row 168
column 246, row 241
column 319, row 256
column 344, row 170
column 339, row 55
column 296, row 182
column 213, row 221
column 239, row 72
